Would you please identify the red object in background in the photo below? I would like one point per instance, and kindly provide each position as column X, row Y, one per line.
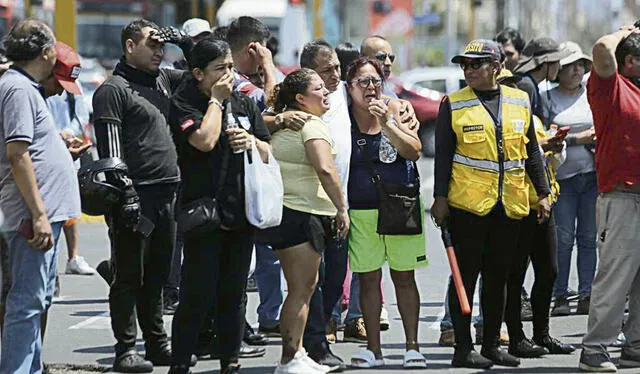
column 426, row 108
column 296, row 2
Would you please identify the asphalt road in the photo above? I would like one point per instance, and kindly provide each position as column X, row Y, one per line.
column 79, row 325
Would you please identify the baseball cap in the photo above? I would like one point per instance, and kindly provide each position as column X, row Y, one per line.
column 196, row 26
column 479, row 48
column 67, row 68
column 538, row 51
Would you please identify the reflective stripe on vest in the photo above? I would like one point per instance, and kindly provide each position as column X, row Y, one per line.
column 487, row 164
column 477, row 183
column 465, row 104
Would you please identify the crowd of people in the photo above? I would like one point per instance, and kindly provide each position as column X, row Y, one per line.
column 519, row 173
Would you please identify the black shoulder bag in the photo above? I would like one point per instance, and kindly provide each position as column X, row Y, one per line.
column 399, row 212
column 203, row 215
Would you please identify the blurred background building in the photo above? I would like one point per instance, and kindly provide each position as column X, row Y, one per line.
column 423, row 32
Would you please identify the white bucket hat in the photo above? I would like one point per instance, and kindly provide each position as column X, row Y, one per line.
column 576, row 55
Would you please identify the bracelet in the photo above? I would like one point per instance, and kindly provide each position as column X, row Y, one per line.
column 213, row 100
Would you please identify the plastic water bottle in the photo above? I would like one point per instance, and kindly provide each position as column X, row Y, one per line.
column 231, row 121
column 387, row 152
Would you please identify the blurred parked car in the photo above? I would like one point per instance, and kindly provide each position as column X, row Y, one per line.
column 444, row 79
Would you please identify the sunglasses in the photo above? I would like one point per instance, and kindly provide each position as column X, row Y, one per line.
column 474, row 65
column 364, row 82
column 381, row 56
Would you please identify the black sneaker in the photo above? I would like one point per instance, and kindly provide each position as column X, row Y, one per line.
column 500, row 357
column 525, row 348
column 273, row 332
column 470, row 359
column 583, row 305
column 554, row 346
column 131, row 362
column 526, row 313
column 321, row 353
column 106, row 270
column 561, row 307
column 250, row 337
column 572, row 294
column 629, row 361
column 597, row 363
column 162, row 356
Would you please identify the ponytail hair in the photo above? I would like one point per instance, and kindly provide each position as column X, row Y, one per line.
column 284, row 93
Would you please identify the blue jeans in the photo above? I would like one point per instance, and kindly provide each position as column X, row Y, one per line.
column 269, row 284
column 33, row 279
column 353, row 309
column 333, row 269
column 446, row 324
column 577, row 201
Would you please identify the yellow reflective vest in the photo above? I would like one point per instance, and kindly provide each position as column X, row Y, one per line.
column 549, row 171
column 488, row 165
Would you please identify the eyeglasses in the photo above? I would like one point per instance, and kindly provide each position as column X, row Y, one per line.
column 474, row 65
column 381, row 56
column 364, row 82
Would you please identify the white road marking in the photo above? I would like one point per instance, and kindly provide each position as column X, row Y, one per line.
column 102, row 322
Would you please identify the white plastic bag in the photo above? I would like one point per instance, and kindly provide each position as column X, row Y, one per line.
column 263, row 190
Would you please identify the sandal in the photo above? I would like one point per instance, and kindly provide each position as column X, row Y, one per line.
column 366, row 359
column 414, row 360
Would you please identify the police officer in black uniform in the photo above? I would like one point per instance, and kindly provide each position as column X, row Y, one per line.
column 130, row 111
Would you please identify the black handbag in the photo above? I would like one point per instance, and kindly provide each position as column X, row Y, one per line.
column 399, row 212
column 203, row 215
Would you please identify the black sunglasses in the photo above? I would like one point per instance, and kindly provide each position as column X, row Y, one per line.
column 364, row 82
column 381, row 56
column 474, row 64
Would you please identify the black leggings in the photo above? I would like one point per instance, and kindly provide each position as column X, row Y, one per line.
column 483, row 245
column 538, row 243
column 214, row 275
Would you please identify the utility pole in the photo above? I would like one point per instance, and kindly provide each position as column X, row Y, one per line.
column 500, row 11
column 65, row 22
column 318, row 25
column 471, row 33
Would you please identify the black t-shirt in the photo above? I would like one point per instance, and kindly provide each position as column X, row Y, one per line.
column 130, row 111
column 201, row 170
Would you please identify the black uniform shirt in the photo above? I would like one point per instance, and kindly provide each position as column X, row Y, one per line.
column 201, row 170
column 130, row 115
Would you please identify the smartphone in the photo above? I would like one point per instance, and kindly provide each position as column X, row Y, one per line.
column 145, row 226
column 26, row 228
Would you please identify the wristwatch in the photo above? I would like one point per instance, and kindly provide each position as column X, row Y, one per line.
column 279, row 121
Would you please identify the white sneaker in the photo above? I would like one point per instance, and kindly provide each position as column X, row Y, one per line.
column 319, row 367
column 78, row 265
column 299, row 365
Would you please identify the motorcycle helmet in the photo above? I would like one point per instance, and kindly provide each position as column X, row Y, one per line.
column 101, row 185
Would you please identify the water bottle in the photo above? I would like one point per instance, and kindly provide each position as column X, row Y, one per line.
column 553, row 129
column 231, row 121
column 387, row 152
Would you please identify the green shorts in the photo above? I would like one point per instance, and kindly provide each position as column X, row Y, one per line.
column 369, row 250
